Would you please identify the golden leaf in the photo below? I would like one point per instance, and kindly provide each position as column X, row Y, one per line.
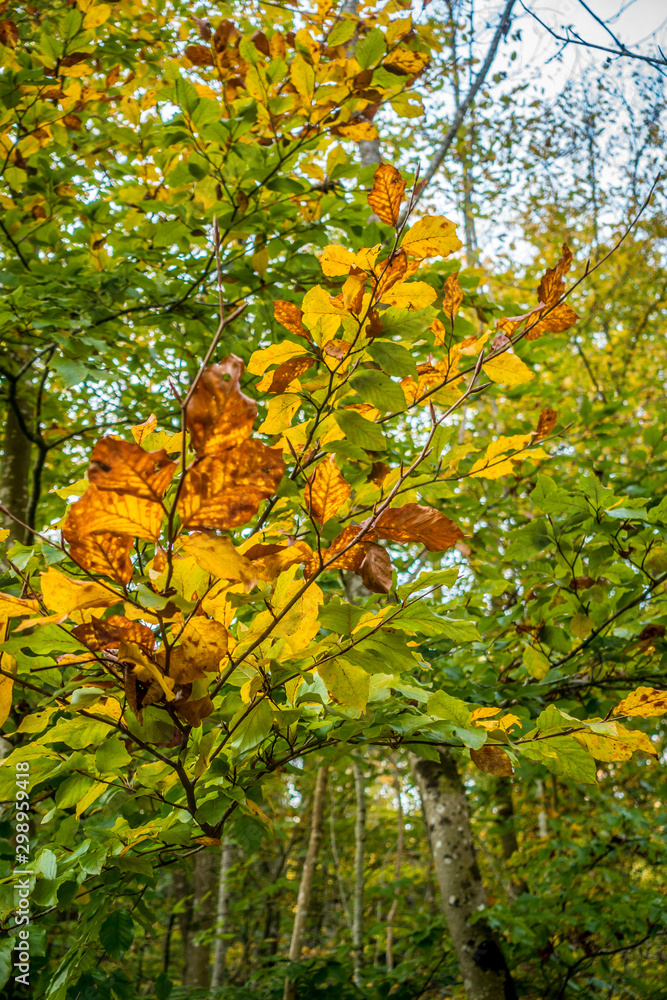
column 507, row 369
column 198, row 650
column 275, row 354
column 406, row 62
column 432, row 236
column 280, row 412
column 387, row 193
column 416, row 523
column 358, row 131
column 218, row 557
column 550, row 289
column 326, row 491
column 336, row 260
column 492, row 760
column 545, row 424
column 104, row 511
column 289, row 316
column 410, row 295
column 643, row 703
column 108, row 633
column 145, row 669
column 16, row 607
column 103, row 552
column 225, row 491
column 322, row 314
column 393, row 271
column 289, row 370
column 615, row 742
column 452, row 298
column 141, row 431
column 218, row 415
column 64, row 596
column 96, row 16
column 125, row 467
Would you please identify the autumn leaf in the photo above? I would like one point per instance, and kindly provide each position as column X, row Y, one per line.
column 198, row 649
column 125, row 467
column 108, row 633
column 322, row 314
column 16, row 607
column 492, row 760
column 507, row 369
column 103, row 553
column 416, row 523
column 288, row 371
column 141, row 431
column 643, row 703
column 550, row 289
column 290, row 317
column 275, row 354
column 105, row 511
column 347, row 684
column 453, row 297
column 432, row 236
column 336, row 261
column 393, row 271
column 226, row 490
column 219, row 557
column 610, row 741
column 375, row 569
column 326, row 491
column 218, row 415
column 545, row 424
column 386, row 194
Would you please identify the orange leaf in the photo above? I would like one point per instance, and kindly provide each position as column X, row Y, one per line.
column 289, row 316
column 125, row 467
column 391, row 273
column 199, row 55
column 105, row 511
column 288, row 371
column 199, row 648
column 545, row 424
column 224, row 491
column 549, row 291
column 386, row 194
column 103, row 552
column 415, row 523
column 492, row 760
column 218, row 414
column 326, row 491
column 108, row 633
column 453, row 297
column 351, row 559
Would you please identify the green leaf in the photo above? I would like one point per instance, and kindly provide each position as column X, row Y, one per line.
column 6, row 959
column 73, row 790
column 361, row 432
column 348, row 684
column 438, row 578
column 442, row 706
column 117, row 933
column 378, row 390
column 342, row 32
column 370, row 50
column 340, row 618
column 564, row 756
column 163, row 987
column 111, row 755
column 394, row 359
column 252, row 729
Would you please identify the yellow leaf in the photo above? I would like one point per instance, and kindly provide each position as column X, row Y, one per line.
column 276, row 354
column 536, row 663
column 336, row 260
column 281, row 410
column 15, row 607
column 508, row 370
column 145, row 669
column 65, row 596
column 322, row 314
column 612, row 741
column 90, row 796
column 250, row 688
column 219, row 557
column 432, row 236
column 123, row 514
column 8, row 664
column 643, row 703
column 347, row 684
column 410, row 295
column 141, row 431
column 358, row 131
column 97, row 16
column 386, row 194
column 303, row 78
column 326, row 491
column 4, row 534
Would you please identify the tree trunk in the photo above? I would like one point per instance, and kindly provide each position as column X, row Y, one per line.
column 507, row 828
column 358, row 895
column 307, row 876
column 198, row 958
column 397, row 875
column 482, row 964
column 15, row 475
column 222, row 915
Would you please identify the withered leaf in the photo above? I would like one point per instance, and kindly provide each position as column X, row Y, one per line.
column 452, row 298
column 375, row 569
column 218, row 415
column 351, row 559
column 549, row 291
column 387, row 193
column 198, row 649
column 125, row 467
column 492, row 760
column 194, row 711
column 545, row 424
column 326, row 490
column 199, row 55
column 391, row 273
column 108, row 633
column 414, row 522
column 103, row 553
column 224, row 491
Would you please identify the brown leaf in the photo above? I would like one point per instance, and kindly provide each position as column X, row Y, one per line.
column 415, row 523
column 102, row 553
column 549, row 291
column 108, row 633
column 9, row 33
column 224, row 491
column 545, row 424
column 453, row 297
column 289, row 370
column 195, row 711
column 379, row 472
column 350, row 560
column 125, row 467
column 337, row 348
column 492, row 760
column 326, row 491
column 199, row 55
column 289, row 316
column 375, row 569
column 218, row 415
column 386, row 194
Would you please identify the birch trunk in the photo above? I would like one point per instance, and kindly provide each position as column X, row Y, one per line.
column 482, row 964
column 222, row 916
column 198, row 960
column 358, row 897
column 307, row 876
column 397, row 874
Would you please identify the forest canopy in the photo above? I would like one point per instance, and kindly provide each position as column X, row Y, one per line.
column 334, row 541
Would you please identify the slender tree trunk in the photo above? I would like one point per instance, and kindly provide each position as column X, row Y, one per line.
column 397, row 874
column 542, row 825
column 481, row 961
column 307, row 876
column 203, row 917
column 358, row 896
column 15, row 474
column 222, row 915
column 507, row 828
